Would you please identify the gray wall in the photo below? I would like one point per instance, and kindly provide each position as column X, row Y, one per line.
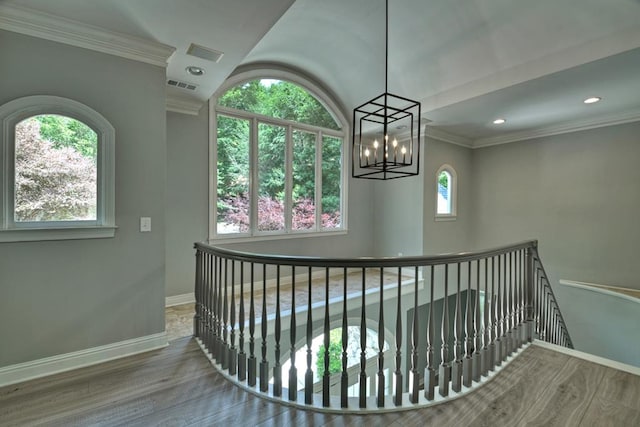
column 63, row 296
column 578, row 194
column 447, row 236
column 187, row 195
column 398, row 215
column 602, row 324
column 404, row 211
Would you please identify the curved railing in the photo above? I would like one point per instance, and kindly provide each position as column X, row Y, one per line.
column 370, row 333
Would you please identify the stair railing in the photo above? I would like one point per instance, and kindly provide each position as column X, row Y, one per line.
column 549, row 323
column 284, row 326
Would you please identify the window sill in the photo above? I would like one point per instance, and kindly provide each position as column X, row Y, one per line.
column 58, row 233
column 263, row 237
column 445, row 218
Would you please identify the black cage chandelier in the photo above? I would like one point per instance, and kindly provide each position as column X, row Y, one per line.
column 386, row 132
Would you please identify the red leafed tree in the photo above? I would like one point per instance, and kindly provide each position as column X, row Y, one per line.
column 271, row 214
column 51, row 184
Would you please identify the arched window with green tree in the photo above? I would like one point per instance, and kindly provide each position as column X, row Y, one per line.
column 279, row 160
column 446, row 192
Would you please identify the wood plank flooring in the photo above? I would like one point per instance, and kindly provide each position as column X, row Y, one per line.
column 176, row 386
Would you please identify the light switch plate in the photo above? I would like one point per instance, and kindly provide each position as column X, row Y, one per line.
column 145, row 224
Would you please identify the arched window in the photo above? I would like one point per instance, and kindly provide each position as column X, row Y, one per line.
column 278, row 158
column 446, row 186
column 57, row 181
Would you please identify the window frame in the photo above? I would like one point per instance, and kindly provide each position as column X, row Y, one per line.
column 254, row 119
column 453, row 193
column 14, row 112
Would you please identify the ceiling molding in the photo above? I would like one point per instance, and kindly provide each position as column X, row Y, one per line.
column 440, row 135
column 51, row 27
column 574, row 126
column 183, row 106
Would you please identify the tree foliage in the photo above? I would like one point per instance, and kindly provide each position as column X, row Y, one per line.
column 271, row 214
column 280, row 99
column 286, row 101
column 335, row 354
column 64, row 131
column 443, row 179
column 54, row 180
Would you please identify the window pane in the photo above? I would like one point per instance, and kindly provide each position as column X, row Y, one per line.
column 444, row 193
column 55, row 170
column 304, row 181
column 280, row 99
column 331, row 182
column 271, row 152
column 233, row 176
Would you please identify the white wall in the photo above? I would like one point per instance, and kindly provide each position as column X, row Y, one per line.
column 63, row 296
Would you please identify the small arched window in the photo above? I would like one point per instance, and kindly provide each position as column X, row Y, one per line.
column 57, row 183
column 446, row 194
column 278, row 166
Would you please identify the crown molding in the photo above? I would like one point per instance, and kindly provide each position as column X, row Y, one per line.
column 63, row 30
column 183, row 106
column 444, row 136
column 569, row 127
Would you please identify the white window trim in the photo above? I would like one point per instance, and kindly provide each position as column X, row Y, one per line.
column 453, row 193
column 277, row 73
column 104, row 226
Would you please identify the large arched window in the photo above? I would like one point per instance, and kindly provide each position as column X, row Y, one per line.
column 446, row 192
column 277, row 158
column 57, row 178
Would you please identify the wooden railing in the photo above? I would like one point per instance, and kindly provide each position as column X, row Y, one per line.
column 464, row 315
column 550, row 326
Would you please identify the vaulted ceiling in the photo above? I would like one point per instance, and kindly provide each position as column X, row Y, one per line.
column 468, row 61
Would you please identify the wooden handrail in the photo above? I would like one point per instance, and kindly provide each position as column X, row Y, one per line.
column 359, row 262
column 492, row 303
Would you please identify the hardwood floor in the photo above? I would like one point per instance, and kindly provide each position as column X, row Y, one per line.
column 176, row 386
column 179, row 321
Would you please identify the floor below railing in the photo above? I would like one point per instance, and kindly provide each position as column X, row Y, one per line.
column 318, row 291
column 176, row 386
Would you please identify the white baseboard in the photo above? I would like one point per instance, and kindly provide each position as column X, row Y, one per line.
column 589, row 357
column 189, row 298
column 65, row 362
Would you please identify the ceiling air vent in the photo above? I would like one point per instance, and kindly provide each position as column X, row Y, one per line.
column 204, row 52
column 181, row 85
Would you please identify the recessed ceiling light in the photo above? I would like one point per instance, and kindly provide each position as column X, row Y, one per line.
column 592, row 100
column 499, row 121
column 194, row 70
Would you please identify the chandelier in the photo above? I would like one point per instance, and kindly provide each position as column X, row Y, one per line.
column 386, row 132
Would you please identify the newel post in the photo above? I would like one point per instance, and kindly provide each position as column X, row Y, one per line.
column 529, row 292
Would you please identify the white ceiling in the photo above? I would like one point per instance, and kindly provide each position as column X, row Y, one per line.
column 467, row 61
